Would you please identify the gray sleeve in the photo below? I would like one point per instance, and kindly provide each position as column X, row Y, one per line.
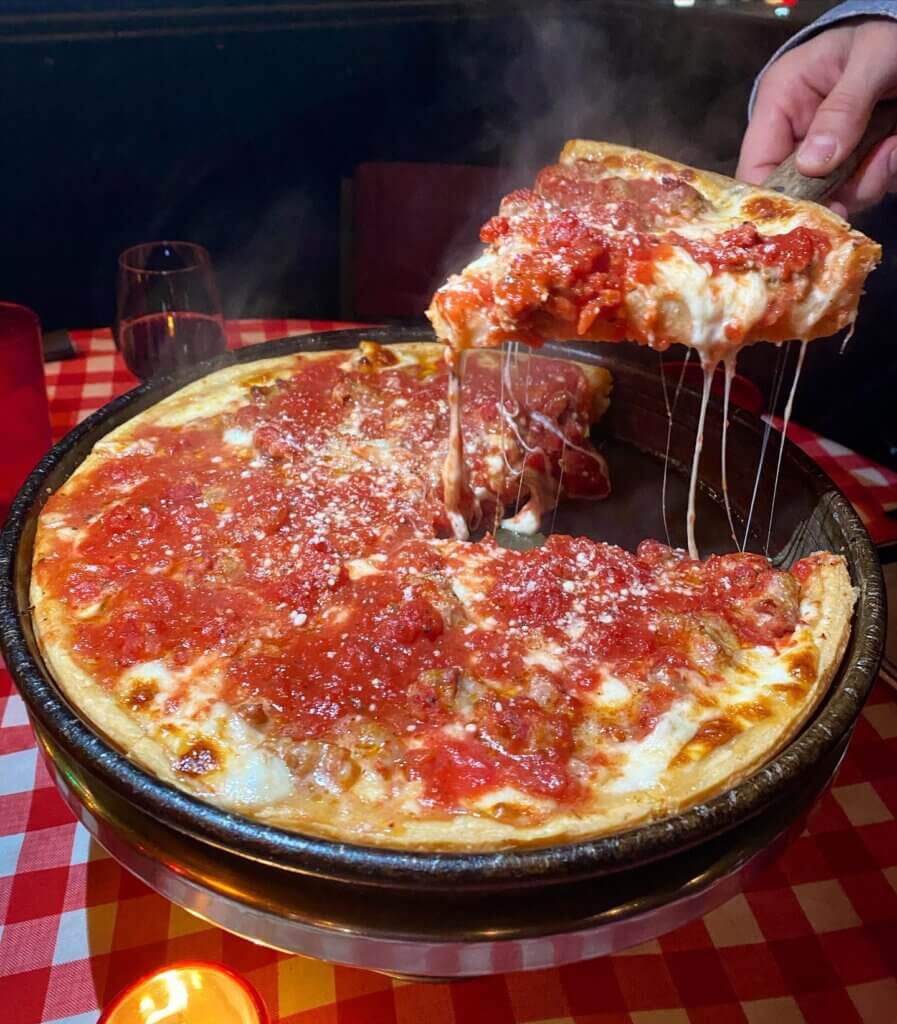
column 850, row 9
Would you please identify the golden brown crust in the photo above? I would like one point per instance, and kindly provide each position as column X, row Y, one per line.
column 759, row 205
column 97, row 704
column 830, row 591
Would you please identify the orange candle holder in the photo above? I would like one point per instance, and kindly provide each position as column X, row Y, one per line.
column 188, row 992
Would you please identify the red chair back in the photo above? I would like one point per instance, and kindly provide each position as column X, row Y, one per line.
column 412, row 225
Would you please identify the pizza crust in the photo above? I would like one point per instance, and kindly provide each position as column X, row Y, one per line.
column 829, row 593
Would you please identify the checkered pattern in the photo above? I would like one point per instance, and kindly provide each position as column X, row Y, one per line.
column 872, row 489
column 813, row 941
column 78, row 387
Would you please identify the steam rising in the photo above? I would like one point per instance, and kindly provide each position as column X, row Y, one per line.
column 255, row 273
column 643, row 80
column 633, row 76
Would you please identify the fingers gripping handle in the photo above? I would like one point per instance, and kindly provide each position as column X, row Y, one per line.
column 787, row 179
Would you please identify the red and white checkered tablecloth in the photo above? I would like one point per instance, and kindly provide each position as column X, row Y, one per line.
column 813, row 941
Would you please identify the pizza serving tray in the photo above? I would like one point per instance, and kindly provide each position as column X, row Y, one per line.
column 453, row 915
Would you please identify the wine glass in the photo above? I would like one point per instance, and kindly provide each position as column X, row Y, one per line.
column 168, row 312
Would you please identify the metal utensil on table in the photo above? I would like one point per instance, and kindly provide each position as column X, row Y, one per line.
column 788, row 180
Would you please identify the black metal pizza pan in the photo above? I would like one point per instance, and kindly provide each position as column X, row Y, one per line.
column 427, row 932
column 810, row 514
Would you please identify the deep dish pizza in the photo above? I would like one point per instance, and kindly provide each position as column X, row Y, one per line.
column 615, row 243
column 251, row 589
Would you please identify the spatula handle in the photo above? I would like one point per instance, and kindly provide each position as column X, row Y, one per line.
column 787, row 179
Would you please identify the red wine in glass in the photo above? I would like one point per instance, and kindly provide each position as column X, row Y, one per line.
column 169, row 313
column 162, row 343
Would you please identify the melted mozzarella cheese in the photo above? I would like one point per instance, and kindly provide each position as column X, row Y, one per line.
column 465, row 595
column 825, row 292
column 575, row 628
column 359, row 567
column 544, row 658
column 713, row 301
column 156, row 672
column 370, row 787
column 252, row 776
column 195, row 688
column 186, row 709
column 525, row 522
column 509, row 796
column 645, row 761
column 613, row 692
column 238, row 437
column 758, row 669
column 254, row 779
column 494, row 463
column 88, row 611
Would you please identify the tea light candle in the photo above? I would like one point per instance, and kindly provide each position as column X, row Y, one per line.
column 192, row 992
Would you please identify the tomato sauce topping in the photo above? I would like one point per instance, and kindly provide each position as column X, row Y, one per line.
column 622, row 203
column 591, row 239
column 237, row 538
column 652, row 615
column 744, row 248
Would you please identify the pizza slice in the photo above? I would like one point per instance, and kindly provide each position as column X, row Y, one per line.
column 527, row 422
column 614, row 243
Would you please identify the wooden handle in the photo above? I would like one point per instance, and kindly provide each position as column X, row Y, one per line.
column 787, row 179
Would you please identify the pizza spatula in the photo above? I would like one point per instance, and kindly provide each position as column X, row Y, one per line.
column 788, row 180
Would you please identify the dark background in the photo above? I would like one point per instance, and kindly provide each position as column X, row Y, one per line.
column 238, row 125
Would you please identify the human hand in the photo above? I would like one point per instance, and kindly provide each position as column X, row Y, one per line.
column 820, row 94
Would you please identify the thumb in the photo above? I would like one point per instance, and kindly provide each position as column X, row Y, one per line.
column 842, row 116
